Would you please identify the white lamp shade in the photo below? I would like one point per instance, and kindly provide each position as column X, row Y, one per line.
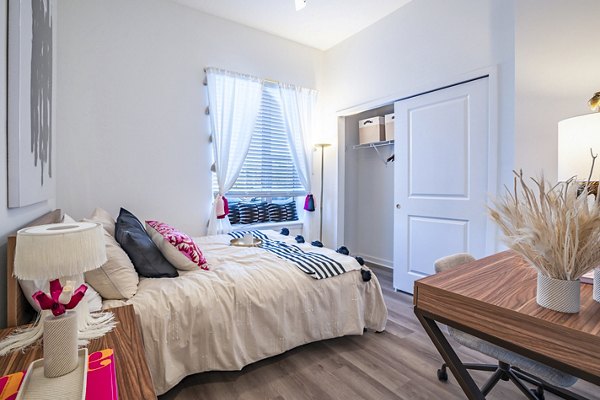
column 57, row 250
column 575, row 138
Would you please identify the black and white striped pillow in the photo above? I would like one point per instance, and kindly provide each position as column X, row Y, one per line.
column 234, row 213
column 248, row 213
column 290, row 210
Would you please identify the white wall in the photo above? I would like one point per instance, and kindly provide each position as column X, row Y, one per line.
column 10, row 219
column 557, row 70
column 131, row 103
column 131, row 126
column 423, row 45
column 369, row 195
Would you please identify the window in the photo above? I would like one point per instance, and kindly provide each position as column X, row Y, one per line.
column 257, row 159
column 269, row 169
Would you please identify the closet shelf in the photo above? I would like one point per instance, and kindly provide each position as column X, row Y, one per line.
column 373, row 145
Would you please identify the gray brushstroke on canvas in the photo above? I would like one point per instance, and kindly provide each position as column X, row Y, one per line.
column 41, row 85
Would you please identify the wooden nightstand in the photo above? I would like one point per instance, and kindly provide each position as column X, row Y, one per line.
column 133, row 376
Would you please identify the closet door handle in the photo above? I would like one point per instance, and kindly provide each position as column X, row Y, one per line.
column 398, row 206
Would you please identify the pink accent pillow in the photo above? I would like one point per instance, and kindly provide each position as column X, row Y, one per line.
column 177, row 247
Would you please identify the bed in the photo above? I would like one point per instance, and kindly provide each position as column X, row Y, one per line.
column 251, row 305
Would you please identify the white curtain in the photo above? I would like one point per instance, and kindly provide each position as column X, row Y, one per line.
column 234, row 101
column 298, row 105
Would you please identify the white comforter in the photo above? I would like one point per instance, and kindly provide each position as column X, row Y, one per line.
column 251, row 305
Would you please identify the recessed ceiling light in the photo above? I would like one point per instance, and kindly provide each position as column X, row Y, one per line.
column 300, row 4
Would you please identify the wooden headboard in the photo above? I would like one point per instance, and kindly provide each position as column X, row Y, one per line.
column 19, row 311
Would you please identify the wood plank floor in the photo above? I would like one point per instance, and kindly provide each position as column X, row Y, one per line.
column 399, row 363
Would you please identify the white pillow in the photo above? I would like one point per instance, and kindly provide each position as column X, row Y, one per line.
column 104, row 217
column 117, row 279
column 67, row 219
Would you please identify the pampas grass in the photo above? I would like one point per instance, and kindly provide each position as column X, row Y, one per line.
column 553, row 227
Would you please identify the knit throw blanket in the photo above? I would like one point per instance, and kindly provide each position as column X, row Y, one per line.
column 319, row 266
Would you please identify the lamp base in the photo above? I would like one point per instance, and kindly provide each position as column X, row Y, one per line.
column 60, row 344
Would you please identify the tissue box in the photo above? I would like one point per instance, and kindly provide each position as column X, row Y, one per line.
column 389, row 127
column 371, row 130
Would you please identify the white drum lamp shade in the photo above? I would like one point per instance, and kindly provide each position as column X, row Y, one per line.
column 59, row 250
column 575, row 138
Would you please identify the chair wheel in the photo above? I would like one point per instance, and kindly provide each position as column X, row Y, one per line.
column 442, row 375
column 538, row 393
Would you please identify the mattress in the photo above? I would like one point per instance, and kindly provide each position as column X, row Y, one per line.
column 250, row 305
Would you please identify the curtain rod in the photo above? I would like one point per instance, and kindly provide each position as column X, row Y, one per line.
column 268, row 80
column 263, row 80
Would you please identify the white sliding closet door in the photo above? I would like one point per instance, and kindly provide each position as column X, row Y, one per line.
column 440, row 178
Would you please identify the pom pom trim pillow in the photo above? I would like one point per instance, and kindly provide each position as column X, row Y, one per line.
column 177, row 247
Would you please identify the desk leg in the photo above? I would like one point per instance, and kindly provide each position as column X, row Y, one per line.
column 456, row 366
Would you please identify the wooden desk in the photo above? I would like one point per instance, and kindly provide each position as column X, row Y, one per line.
column 133, row 376
column 494, row 299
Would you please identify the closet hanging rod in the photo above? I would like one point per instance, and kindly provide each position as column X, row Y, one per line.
column 373, row 144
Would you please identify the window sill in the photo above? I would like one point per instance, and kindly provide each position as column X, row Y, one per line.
column 292, row 225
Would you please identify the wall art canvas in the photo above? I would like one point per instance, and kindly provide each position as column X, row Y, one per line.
column 31, row 95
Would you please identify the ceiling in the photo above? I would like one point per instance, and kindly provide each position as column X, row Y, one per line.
column 321, row 24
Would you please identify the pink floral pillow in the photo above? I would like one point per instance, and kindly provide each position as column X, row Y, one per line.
column 177, row 247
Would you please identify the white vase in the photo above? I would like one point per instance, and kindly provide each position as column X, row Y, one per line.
column 60, row 344
column 557, row 294
column 597, row 284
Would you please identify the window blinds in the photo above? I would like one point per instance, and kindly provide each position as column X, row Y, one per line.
column 269, row 169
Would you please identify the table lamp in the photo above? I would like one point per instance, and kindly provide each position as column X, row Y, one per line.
column 578, row 136
column 578, row 144
column 59, row 252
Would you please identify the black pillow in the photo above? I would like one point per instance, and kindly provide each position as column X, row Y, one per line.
column 145, row 256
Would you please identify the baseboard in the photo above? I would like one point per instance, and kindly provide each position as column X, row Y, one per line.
column 378, row 262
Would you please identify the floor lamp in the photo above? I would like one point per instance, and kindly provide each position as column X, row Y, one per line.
column 322, row 146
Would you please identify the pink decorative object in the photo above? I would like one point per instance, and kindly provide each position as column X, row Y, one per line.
column 57, row 303
column 309, row 203
column 101, row 379
column 182, row 242
column 222, row 208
